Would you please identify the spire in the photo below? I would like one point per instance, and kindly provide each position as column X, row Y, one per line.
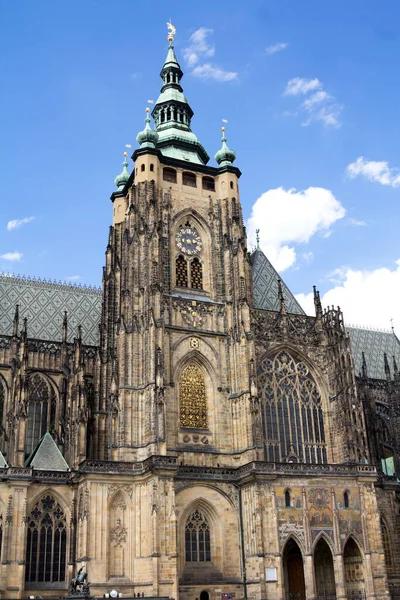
column 225, row 156
column 282, row 307
column 148, row 137
column 317, row 302
column 364, row 373
column 65, row 327
column 258, row 239
column 387, row 368
column 123, row 177
column 395, row 368
column 16, row 321
column 172, row 113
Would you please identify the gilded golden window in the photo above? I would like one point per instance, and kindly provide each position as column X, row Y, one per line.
column 293, row 425
column 196, row 274
column 192, row 398
column 181, row 269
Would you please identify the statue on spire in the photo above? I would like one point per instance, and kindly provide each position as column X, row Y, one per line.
column 171, row 31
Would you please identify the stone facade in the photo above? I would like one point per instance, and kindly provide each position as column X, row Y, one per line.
column 215, row 450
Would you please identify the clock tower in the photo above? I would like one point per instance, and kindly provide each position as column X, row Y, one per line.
column 177, row 377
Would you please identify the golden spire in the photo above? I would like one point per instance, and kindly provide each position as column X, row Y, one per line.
column 171, row 31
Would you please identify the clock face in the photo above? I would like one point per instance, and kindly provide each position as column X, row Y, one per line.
column 188, row 241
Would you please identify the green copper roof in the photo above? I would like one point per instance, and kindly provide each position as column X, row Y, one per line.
column 172, row 117
column 122, row 178
column 225, row 156
column 148, row 137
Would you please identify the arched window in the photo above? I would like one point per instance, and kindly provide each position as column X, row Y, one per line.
column 192, row 398
column 189, row 179
column 346, row 499
column 209, row 184
column 46, row 546
column 169, row 175
column 142, row 167
column 152, row 167
column 293, row 425
column 197, row 538
column 41, row 413
column 231, row 185
column 181, row 269
column 287, row 499
column 387, row 548
column 196, row 274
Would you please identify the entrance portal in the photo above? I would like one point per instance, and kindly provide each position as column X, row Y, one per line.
column 204, row 596
column 354, row 571
column 294, row 571
column 324, row 571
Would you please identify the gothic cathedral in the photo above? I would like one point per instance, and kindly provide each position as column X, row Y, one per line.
column 189, row 432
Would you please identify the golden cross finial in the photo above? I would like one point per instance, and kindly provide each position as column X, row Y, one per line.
column 171, row 31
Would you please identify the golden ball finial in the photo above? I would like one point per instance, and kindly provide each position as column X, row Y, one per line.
column 147, row 109
column 223, row 128
column 125, row 154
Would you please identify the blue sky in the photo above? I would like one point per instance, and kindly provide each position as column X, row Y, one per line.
column 311, row 93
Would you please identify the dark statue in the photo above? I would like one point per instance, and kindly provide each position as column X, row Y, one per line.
column 79, row 585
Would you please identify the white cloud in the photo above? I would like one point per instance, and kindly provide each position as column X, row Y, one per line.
column 15, row 223
column 356, row 222
column 73, row 278
column 373, row 170
column 199, row 46
column 208, row 71
column 319, row 105
column 12, row 256
column 365, row 297
column 289, row 217
column 278, row 47
column 297, row 86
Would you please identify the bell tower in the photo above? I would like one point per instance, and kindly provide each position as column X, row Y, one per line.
column 177, row 357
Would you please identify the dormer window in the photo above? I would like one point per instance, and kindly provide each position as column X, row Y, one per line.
column 189, row 179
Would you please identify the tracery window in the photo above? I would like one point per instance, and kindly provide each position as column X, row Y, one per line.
column 181, row 272
column 197, row 538
column 292, row 416
column 41, row 413
column 192, row 398
column 46, row 547
column 387, row 548
column 196, row 274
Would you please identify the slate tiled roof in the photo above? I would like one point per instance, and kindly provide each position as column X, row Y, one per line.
column 265, row 288
column 374, row 344
column 46, row 456
column 44, row 303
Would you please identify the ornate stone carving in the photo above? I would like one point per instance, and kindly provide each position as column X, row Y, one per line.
column 193, row 313
column 118, row 534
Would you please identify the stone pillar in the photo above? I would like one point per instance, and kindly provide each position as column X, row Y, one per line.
column 309, row 577
column 15, row 540
column 340, row 582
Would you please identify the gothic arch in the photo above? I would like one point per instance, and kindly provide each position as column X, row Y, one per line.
column 119, row 526
column 293, row 568
column 42, row 408
column 221, row 516
column 354, row 568
column 293, row 407
column 326, row 538
column 49, row 492
column 387, row 544
column 185, row 340
column 356, row 540
column 300, row 544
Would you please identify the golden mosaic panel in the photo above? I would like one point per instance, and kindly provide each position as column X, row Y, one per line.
column 192, row 398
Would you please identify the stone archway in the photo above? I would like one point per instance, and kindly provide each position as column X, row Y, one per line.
column 354, row 571
column 324, row 571
column 294, row 571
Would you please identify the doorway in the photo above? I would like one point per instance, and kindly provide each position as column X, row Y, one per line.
column 204, row 596
column 294, row 571
column 354, row 571
column 324, row 571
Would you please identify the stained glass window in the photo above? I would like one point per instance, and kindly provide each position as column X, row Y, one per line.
column 41, row 412
column 386, row 545
column 181, row 272
column 192, row 398
column 292, row 417
column 46, row 545
column 197, row 538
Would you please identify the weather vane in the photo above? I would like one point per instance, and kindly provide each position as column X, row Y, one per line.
column 171, row 31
